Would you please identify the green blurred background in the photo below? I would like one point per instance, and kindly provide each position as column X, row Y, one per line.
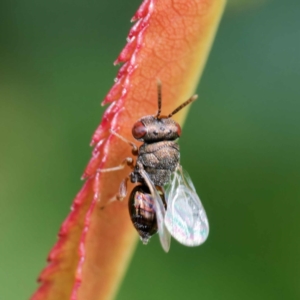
column 240, row 145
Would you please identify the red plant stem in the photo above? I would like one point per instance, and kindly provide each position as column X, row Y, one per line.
column 170, row 41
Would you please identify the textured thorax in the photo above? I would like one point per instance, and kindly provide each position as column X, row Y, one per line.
column 159, row 160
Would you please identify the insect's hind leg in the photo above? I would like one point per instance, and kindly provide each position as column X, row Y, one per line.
column 122, row 190
column 128, row 161
column 121, row 194
column 123, row 185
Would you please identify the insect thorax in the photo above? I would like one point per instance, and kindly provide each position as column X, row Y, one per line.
column 159, row 160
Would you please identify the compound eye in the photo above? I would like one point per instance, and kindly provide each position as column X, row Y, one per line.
column 178, row 131
column 139, row 130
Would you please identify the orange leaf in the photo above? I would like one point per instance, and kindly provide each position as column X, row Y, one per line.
column 170, row 41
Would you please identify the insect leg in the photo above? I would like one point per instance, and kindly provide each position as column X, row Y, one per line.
column 122, row 190
column 121, row 194
column 128, row 161
column 133, row 145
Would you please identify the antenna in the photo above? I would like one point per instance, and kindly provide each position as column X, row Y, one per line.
column 158, row 98
column 184, row 104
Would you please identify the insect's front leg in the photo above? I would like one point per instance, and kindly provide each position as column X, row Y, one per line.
column 135, row 149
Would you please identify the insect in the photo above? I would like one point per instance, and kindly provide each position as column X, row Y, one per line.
column 165, row 201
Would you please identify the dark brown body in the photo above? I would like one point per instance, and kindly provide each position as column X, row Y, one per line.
column 158, row 157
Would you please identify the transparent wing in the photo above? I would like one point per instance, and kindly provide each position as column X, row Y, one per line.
column 164, row 235
column 185, row 217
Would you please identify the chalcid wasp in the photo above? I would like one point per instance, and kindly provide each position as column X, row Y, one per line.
column 165, row 201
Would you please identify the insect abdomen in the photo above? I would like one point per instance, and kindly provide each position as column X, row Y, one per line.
column 142, row 212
